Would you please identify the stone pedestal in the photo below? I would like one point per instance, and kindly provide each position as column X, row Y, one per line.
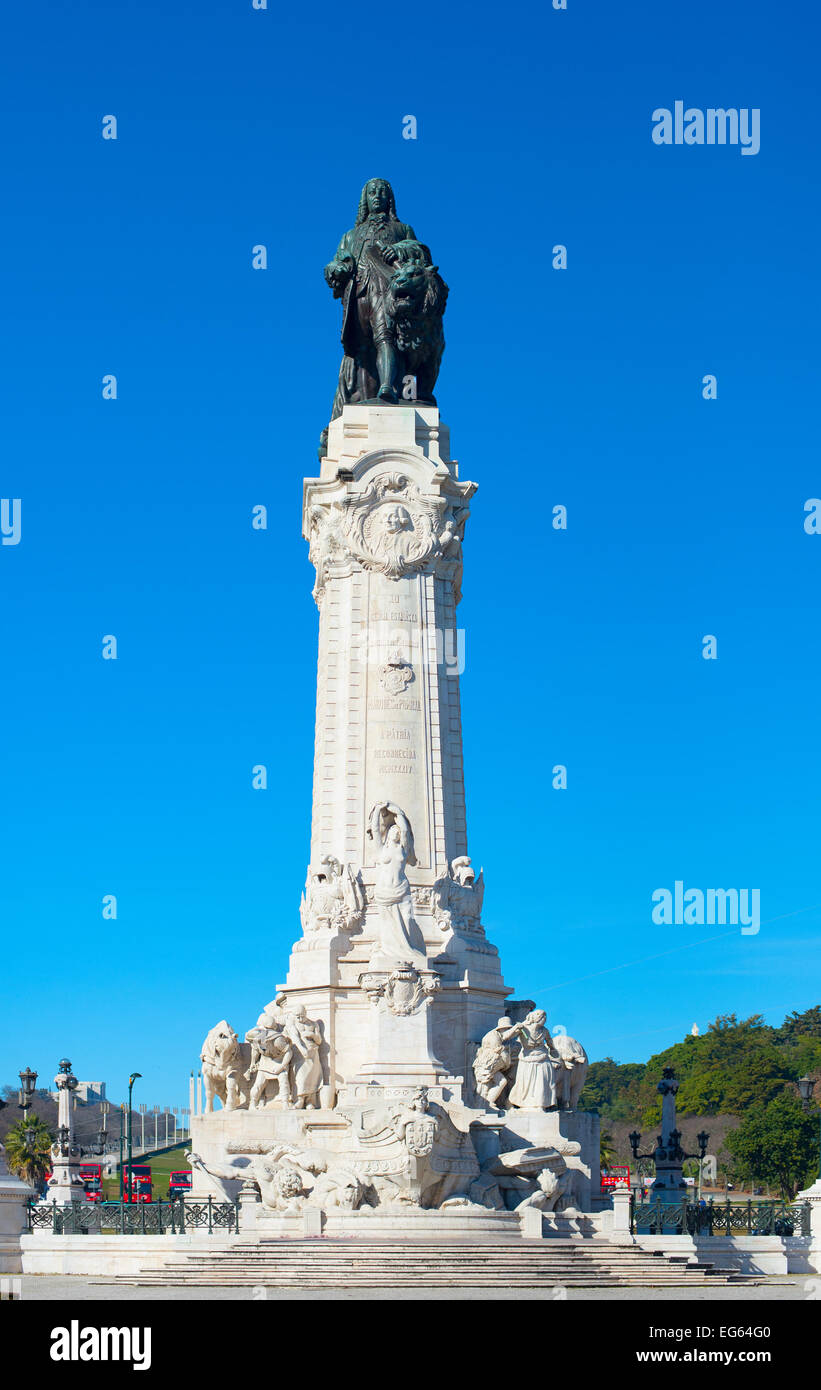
column 399, row 1045
column 532, row 1224
column 64, row 1185
column 14, row 1195
column 619, row 1232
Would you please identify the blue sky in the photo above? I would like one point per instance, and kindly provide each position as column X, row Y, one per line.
column 581, row 387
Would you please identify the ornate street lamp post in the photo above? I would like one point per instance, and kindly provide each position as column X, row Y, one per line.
column 806, row 1086
column 135, row 1076
column 702, row 1140
column 28, row 1080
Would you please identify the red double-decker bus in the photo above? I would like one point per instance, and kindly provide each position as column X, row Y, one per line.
column 140, row 1183
column 179, row 1183
column 91, row 1176
column 617, row 1175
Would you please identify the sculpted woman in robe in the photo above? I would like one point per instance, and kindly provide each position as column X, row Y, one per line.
column 400, row 938
column 306, row 1038
column 535, row 1085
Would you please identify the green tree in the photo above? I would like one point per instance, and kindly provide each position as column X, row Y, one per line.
column 609, row 1088
column 607, row 1149
column 735, row 1064
column 29, row 1161
column 776, row 1144
column 761, row 1078
column 803, row 1055
column 806, row 1024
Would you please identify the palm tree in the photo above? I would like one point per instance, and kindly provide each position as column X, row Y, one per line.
column 30, row 1159
column 607, row 1152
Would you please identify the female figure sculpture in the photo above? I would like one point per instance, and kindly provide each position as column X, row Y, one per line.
column 306, row 1038
column 534, row 1087
column 400, row 938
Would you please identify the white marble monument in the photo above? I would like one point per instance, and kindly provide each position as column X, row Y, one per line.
column 391, row 1076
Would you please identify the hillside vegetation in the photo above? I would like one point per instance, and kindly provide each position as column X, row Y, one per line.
column 735, row 1065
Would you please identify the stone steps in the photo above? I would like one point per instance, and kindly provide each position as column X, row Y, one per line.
column 434, row 1279
column 325, row 1263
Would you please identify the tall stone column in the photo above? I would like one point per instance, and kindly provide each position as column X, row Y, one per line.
column 64, row 1184
column 394, row 957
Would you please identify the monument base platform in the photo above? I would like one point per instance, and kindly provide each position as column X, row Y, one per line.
column 386, row 1160
column 367, row 1224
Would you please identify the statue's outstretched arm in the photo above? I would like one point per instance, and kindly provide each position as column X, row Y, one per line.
column 228, row 1171
column 517, row 1030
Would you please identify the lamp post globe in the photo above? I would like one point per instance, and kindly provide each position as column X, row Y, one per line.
column 28, row 1079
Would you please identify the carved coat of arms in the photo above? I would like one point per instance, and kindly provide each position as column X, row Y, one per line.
column 402, row 992
column 396, row 675
column 420, row 1136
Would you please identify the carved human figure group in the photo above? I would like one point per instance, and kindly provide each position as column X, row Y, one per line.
column 278, row 1064
column 549, row 1071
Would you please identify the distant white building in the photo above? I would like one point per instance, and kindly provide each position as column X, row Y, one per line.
column 87, row 1092
column 91, row 1092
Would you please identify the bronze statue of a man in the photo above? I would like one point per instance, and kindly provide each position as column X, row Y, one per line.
column 393, row 300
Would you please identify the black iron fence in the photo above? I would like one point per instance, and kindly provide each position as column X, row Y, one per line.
column 134, row 1218
column 657, row 1217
